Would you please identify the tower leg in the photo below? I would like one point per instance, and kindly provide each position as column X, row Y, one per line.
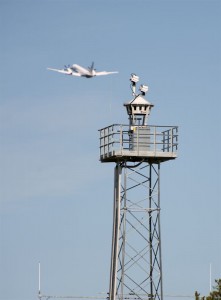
column 115, row 233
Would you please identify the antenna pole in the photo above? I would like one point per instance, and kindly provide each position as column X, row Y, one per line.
column 39, row 280
column 210, row 277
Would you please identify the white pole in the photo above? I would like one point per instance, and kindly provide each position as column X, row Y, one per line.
column 210, row 278
column 39, row 279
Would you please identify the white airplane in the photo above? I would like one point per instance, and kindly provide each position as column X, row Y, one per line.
column 76, row 70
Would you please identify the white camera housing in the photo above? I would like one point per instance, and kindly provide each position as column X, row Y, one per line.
column 143, row 89
column 134, row 78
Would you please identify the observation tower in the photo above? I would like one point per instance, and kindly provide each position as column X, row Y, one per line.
column 137, row 149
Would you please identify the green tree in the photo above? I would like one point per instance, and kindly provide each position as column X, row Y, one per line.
column 214, row 295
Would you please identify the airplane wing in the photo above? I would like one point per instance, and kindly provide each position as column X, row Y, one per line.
column 104, row 73
column 60, row 71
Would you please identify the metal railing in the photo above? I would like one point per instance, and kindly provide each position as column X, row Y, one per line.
column 118, row 137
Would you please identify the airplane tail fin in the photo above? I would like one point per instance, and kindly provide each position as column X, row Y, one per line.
column 92, row 66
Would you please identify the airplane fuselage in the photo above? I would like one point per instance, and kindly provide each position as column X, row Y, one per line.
column 88, row 73
column 76, row 70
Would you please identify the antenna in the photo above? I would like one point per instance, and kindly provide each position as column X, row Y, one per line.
column 210, row 277
column 39, row 280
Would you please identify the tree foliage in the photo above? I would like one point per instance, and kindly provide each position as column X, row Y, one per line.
column 214, row 295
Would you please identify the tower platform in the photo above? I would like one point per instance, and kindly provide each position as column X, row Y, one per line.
column 147, row 143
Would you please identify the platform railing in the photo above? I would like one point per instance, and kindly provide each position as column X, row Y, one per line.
column 119, row 137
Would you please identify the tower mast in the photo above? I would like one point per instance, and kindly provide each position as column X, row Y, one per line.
column 137, row 149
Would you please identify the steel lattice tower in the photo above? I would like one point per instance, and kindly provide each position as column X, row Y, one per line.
column 138, row 150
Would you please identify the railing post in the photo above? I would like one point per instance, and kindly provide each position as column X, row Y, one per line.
column 155, row 139
column 138, row 139
column 171, row 143
column 121, row 139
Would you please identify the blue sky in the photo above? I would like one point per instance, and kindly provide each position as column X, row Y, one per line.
column 55, row 195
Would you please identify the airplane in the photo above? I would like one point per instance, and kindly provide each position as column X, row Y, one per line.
column 76, row 70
